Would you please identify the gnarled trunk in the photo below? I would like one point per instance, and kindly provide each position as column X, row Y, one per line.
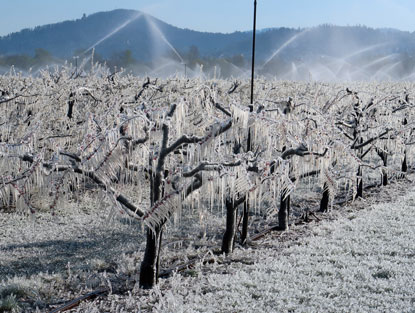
column 245, row 221
column 359, row 193
column 324, row 203
column 384, row 156
column 150, row 265
column 384, row 177
column 228, row 240
column 284, row 211
column 404, row 164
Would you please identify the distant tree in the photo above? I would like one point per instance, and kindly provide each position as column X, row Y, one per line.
column 79, row 52
column 193, row 53
column 238, row 60
column 98, row 58
column 42, row 57
column 193, row 56
column 123, row 59
column 23, row 62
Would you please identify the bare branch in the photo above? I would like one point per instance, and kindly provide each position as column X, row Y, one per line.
column 140, row 141
column 369, row 141
column 317, row 154
column 144, row 87
column 90, row 174
column 221, row 108
column 200, row 140
column 206, row 166
column 195, row 185
column 71, row 155
column 233, row 88
column 15, row 97
column 304, row 175
column 345, row 134
column 365, row 153
column 120, row 198
column 172, row 110
column 300, row 151
column 342, row 123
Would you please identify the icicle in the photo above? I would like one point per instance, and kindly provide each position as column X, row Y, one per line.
column 199, row 207
column 274, row 185
column 222, row 195
column 257, row 210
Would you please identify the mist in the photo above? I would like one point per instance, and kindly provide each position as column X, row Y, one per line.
column 135, row 43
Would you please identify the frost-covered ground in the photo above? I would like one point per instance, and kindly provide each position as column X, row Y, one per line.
column 354, row 260
column 361, row 262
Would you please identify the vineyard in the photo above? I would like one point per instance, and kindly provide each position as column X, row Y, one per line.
column 184, row 171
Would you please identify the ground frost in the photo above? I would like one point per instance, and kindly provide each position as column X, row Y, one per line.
column 360, row 265
column 359, row 262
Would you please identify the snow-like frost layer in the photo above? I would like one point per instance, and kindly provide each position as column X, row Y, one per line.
column 360, row 263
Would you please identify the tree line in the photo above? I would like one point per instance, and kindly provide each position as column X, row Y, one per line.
column 235, row 65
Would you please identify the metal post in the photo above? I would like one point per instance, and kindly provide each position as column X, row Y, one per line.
column 245, row 221
column 253, row 60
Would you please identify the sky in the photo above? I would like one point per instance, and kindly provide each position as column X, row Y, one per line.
column 218, row 15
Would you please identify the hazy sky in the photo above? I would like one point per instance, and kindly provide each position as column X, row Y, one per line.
column 218, row 15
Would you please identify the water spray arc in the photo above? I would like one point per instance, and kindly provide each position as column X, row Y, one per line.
column 113, row 32
column 284, row 45
column 356, row 62
column 92, row 47
column 157, row 30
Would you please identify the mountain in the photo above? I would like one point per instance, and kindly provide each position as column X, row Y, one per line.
column 130, row 29
column 120, row 30
column 144, row 38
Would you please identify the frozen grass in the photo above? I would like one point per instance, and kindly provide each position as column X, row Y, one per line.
column 9, row 304
column 358, row 263
column 354, row 261
column 48, row 259
column 78, row 234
